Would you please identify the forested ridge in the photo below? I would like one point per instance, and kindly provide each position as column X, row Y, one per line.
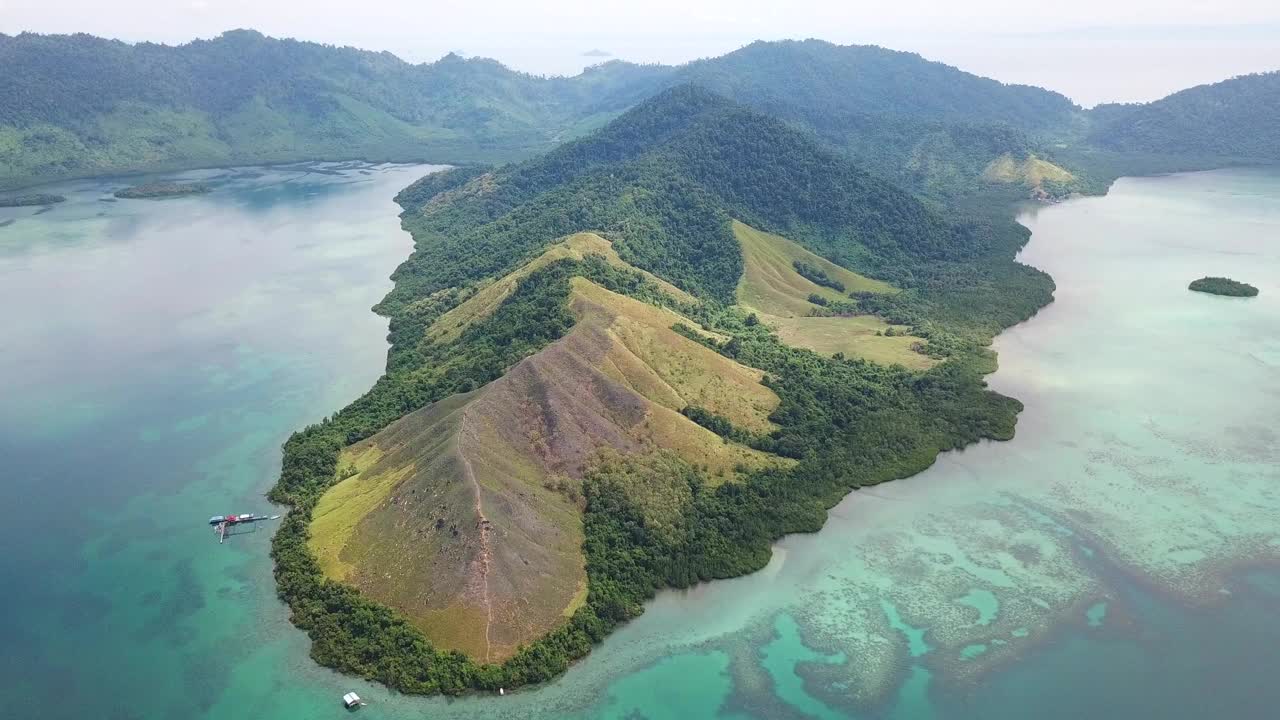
column 810, row 76
column 665, row 177
column 663, row 181
column 1230, row 121
column 926, row 126
column 80, row 105
column 77, row 104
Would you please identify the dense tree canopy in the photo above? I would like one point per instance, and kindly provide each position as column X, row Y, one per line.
column 813, row 76
column 79, row 104
column 1223, row 286
column 1233, row 120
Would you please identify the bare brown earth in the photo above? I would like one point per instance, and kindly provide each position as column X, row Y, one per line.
column 466, row 515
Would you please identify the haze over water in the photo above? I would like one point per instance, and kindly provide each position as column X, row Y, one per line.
column 1118, row 558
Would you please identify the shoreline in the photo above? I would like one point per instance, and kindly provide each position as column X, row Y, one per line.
column 1061, row 619
column 644, row 641
column 126, row 175
column 835, row 501
column 286, row 543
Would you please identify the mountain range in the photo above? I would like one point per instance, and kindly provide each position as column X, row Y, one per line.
column 79, row 105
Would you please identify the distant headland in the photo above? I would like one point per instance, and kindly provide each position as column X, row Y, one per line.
column 162, row 190
column 31, row 200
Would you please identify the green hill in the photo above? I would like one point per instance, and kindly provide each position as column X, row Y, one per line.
column 80, row 105
column 1230, row 121
column 812, row 77
column 665, row 179
column 928, row 127
column 672, row 171
column 471, row 504
column 569, row 364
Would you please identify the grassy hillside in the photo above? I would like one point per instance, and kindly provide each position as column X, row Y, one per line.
column 774, row 290
column 855, row 336
column 489, row 296
column 542, row 358
column 771, row 284
column 1043, row 178
column 465, row 515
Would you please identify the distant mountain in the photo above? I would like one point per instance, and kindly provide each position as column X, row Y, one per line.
column 81, row 105
column 78, row 105
column 1234, row 120
column 693, row 149
column 930, row 127
column 812, row 78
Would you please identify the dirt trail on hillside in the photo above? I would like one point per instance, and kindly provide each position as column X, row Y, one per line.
column 485, row 551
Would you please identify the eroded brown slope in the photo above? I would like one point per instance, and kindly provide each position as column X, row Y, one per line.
column 465, row 515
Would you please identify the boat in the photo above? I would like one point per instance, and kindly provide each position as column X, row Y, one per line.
column 351, row 701
column 221, row 523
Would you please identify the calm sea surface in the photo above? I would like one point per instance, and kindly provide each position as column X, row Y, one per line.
column 1119, row 558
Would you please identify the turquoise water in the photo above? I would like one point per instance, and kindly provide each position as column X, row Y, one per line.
column 1118, row 558
column 155, row 354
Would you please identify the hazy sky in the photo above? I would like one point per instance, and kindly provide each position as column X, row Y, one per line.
column 1092, row 50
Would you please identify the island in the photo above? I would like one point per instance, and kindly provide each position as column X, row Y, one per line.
column 1223, row 286
column 161, row 190
column 606, row 378
column 33, row 200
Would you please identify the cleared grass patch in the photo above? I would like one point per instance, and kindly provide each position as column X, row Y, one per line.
column 771, row 285
column 854, row 336
column 772, row 288
column 668, row 368
column 487, row 299
column 1032, row 171
column 344, row 505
